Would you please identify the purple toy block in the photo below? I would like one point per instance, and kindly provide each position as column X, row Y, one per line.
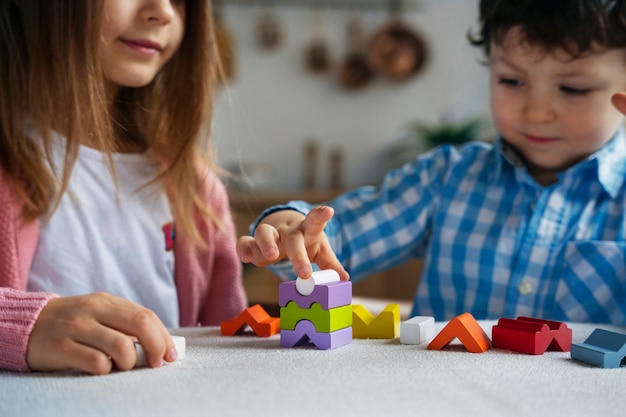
column 305, row 331
column 331, row 295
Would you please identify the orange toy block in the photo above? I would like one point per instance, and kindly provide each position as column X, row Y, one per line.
column 467, row 330
column 385, row 326
column 261, row 323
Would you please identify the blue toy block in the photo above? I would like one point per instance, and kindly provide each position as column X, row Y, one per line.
column 602, row 348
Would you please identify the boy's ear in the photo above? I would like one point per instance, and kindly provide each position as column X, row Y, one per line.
column 619, row 101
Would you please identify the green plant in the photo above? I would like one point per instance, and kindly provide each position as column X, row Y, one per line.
column 447, row 132
column 420, row 137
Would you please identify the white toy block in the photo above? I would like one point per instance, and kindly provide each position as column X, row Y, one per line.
column 416, row 330
column 325, row 276
column 179, row 343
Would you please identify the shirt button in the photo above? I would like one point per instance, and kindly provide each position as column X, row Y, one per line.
column 525, row 288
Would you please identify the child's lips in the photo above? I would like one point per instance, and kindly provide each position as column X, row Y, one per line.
column 143, row 46
column 541, row 139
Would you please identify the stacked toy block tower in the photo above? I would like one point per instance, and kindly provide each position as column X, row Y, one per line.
column 317, row 310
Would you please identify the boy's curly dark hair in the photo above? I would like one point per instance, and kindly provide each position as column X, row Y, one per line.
column 571, row 25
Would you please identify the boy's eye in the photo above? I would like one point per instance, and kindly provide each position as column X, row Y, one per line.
column 574, row 91
column 511, row 82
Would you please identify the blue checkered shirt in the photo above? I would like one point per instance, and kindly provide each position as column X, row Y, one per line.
column 494, row 242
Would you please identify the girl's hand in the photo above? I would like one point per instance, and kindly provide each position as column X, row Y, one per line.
column 289, row 234
column 95, row 332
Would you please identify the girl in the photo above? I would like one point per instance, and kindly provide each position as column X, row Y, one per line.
column 103, row 108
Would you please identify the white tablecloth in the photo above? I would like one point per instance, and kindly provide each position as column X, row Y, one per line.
column 250, row 376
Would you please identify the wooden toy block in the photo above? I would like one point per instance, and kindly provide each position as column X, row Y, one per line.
column 179, row 343
column 361, row 319
column 531, row 336
column 324, row 320
column 318, row 309
column 561, row 334
column 417, row 330
column 305, row 332
column 602, row 348
column 261, row 323
column 385, row 326
column 467, row 330
column 331, row 295
column 306, row 286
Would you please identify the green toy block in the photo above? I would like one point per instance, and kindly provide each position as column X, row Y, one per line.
column 325, row 321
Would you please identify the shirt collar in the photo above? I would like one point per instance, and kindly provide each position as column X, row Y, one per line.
column 609, row 162
column 504, row 155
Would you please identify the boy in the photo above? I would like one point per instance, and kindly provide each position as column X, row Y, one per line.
column 532, row 225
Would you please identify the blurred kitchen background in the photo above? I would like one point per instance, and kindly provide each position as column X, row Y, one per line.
column 281, row 101
column 323, row 95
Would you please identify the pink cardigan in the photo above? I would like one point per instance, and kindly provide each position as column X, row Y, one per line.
column 209, row 282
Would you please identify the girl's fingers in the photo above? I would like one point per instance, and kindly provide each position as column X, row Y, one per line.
column 66, row 354
column 89, row 359
column 101, row 341
column 82, row 331
column 134, row 320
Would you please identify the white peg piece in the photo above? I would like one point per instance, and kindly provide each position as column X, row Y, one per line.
column 179, row 344
column 325, row 276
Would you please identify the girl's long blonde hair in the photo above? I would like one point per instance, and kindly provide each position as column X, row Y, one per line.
column 50, row 77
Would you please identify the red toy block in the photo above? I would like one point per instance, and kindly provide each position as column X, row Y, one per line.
column 261, row 323
column 531, row 336
column 467, row 330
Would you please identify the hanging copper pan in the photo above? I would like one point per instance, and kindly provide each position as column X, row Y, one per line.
column 397, row 51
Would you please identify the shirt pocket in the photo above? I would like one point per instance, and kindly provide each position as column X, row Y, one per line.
column 592, row 286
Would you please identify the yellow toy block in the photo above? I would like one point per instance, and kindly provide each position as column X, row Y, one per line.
column 361, row 319
column 385, row 326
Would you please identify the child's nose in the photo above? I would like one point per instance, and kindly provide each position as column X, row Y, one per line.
column 539, row 108
column 160, row 11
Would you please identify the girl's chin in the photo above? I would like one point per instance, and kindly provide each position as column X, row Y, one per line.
column 131, row 80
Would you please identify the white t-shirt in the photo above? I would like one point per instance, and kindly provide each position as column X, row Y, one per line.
column 103, row 238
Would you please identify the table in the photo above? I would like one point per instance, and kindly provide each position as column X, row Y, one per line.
column 247, row 375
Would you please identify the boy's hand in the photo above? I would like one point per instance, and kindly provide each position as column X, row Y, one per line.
column 289, row 234
column 95, row 332
column 619, row 102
